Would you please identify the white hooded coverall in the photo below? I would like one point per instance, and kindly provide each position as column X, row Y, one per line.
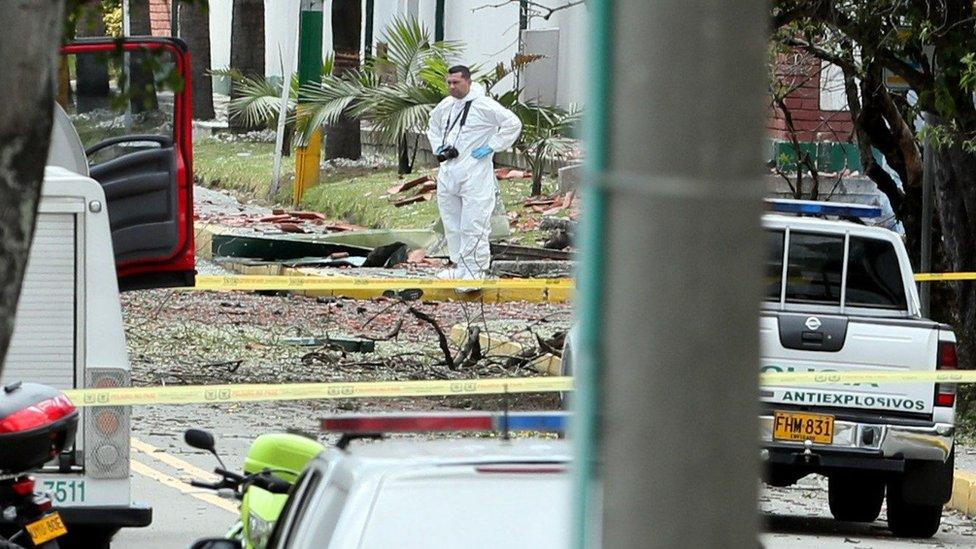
column 466, row 185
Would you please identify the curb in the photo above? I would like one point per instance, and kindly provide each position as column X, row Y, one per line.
column 963, row 492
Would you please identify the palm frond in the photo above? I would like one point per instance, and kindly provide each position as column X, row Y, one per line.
column 398, row 109
column 324, row 103
column 409, row 46
column 259, row 101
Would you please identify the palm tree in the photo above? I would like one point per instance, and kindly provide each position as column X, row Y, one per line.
column 545, row 137
column 246, row 47
column 342, row 139
column 395, row 91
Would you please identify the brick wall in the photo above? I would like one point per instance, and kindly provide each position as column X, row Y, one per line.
column 159, row 17
column 804, row 75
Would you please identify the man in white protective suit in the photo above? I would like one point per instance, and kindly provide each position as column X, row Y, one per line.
column 465, row 131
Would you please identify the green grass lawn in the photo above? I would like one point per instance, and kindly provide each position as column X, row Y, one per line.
column 243, row 168
column 356, row 195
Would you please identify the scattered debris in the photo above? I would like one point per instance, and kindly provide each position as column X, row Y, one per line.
column 278, row 247
column 558, row 223
column 512, row 173
column 344, row 344
column 397, row 189
column 387, row 256
column 417, row 256
column 493, row 345
column 413, row 200
column 441, row 338
column 342, row 226
column 425, row 187
column 515, row 253
column 532, row 269
column 290, row 228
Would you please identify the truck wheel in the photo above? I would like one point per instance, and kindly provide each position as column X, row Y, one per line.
column 855, row 499
column 911, row 520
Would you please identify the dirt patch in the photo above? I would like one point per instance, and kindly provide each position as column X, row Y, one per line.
column 178, row 337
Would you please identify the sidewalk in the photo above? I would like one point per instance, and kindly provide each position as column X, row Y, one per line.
column 964, row 484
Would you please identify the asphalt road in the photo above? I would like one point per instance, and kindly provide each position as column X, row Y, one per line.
column 162, row 463
column 798, row 517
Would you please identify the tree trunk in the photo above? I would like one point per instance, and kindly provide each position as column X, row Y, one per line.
column 342, row 140
column 142, row 85
column 91, row 69
column 537, row 165
column 955, row 198
column 195, row 31
column 29, row 53
column 403, row 156
column 246, row 47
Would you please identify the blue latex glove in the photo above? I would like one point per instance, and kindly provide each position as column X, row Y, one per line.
column 482, row 152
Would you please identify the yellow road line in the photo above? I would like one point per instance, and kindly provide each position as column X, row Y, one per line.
column 173, row 482
column 171, row 460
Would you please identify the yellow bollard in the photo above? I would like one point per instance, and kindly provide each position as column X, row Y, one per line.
column 307, row 160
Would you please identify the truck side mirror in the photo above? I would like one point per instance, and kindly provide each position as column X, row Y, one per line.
column 200, row 439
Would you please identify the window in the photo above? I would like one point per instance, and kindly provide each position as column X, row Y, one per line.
column 774, row 265
column 116, row 94
column 873, row 275
column 815, row 270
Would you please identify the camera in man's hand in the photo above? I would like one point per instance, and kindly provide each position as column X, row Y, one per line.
column 446, row 152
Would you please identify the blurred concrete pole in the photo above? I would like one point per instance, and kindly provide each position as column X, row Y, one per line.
column 677, row 445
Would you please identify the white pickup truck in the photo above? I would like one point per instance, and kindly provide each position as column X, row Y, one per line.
column 840, row 296
column 115, row 214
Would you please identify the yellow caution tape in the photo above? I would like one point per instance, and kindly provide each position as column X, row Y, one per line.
column 260, row 392
column 941, row 376
column 930, row 277
column 329, row 283
column 263, row 392
column 256, row 282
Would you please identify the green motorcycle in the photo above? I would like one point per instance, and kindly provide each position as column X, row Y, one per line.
column 272, row 465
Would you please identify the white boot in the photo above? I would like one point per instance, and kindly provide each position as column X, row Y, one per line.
column 467, row 274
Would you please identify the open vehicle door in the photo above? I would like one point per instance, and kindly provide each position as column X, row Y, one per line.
column 130, row 102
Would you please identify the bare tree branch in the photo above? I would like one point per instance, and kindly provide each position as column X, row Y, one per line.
column 822, row 53
column 540, row 10
column 441, row 338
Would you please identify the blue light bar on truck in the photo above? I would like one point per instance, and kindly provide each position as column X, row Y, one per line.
column 814, row 207
column 555, row 422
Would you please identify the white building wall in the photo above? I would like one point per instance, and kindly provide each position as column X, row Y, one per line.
column 490, row 35
column 276, row 23
column 220, row 12
column 573, row 51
